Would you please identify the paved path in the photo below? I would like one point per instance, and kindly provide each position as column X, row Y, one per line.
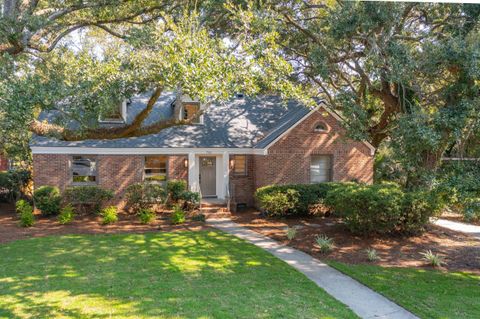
column 460, row 227
column 362, row 300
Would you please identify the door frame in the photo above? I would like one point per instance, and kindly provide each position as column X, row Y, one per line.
column 215, row 175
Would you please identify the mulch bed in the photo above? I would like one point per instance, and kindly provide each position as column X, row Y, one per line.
column 461, row 252
column 83, row 224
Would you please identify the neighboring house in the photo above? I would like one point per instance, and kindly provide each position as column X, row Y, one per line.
column 4, row 165
column 233, row 149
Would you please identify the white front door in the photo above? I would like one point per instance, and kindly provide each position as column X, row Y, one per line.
column 208, row 176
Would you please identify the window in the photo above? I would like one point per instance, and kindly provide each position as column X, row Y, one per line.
column 190, row 110
column 84, row 169
column 321, row 168
column 321, row 127
column 116, row 115
column 156, row 169
column 240, row 165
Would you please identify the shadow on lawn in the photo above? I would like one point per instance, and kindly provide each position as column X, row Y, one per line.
column 132, row 276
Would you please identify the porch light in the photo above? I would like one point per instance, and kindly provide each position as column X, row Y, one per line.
column 232, row 163
column 185, row 163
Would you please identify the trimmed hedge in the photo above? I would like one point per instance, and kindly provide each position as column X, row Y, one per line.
column 293, row 199
column 48, row 200
column 87, row 198
column 143, row 196
column 13, row 184
column 383, row 208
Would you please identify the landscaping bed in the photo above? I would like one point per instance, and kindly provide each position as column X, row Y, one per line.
column 84, row 224
column 461, row 252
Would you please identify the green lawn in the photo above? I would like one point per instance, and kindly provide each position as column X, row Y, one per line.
column 157, row 275
column 427, row 293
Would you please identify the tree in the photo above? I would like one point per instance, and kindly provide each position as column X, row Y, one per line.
column 79, row 85
column 405, row 73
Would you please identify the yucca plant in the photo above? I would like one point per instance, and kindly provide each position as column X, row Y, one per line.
column 432, row 259
column 292, row 232
column 325, row 243
column 372, row 254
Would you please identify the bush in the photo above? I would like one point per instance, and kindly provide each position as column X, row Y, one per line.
column 175, row 189
column 48, row 200
column 87, row 198
column 324, row 243
column 147, row 216
column 25, row 211
column 432, row 259
column 383, row 208
column 109, row 215
column 13, row 184
column 291, row 232
column 372, row 254
column 178, row 216
column 471, row 209
column 191, row 200
column 199, row 218
column 295, row 199
column 67, row 215
column 144, row 196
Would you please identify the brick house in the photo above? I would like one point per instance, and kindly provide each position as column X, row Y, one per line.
column 232, row 149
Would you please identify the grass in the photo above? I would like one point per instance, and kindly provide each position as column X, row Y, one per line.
column 206, row 274
column 426, row 293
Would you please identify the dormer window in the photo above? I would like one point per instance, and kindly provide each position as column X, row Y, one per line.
column 117, row 114
column 190, row 111
column 321, row 127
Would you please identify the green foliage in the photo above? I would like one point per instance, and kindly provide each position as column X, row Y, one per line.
column 178, row 216
column 383, row 208
column 147, row 216
column 294, row 199
column 13, row 184
column 47, row 199
column 25, row 212
column 198, row 218
column 291, row 232
column 372, row 254
column 142, row 196
column 191, row 200
column 87, row 199
column 109, row 215
column 67, row 214
column 432, row 259
column 175, row 188
column 324, row 243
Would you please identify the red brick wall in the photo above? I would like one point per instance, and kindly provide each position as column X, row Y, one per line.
column 114, row 172
column 288, row 160
column 242, row 188
column 3, row 163
column 176, row 167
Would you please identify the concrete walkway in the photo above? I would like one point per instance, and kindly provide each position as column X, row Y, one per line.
column 473, row 230
column 362, row 300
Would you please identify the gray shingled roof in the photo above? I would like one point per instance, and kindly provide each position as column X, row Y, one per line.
column 239, row 123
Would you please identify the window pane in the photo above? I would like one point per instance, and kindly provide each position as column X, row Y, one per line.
column 321, row 169
column 156, row 169
column 84, row 169
column 240, row 165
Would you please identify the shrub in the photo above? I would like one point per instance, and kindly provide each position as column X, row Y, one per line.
column 417, row 209
column 432, row 259
column 324, row 243
column 471, row 209
column 175, row 188
column 147, row 216
column 294, row 199
column 199, row 218
column 25, row 211
column 291, row 232
column 109, row 215
column 191, row 200
column 371, row 254
column 144, row 196
column 48, row 200
column 13, row 184
column 280, row 203
column 87, row 198
column 178, row 216
column 67, row 215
